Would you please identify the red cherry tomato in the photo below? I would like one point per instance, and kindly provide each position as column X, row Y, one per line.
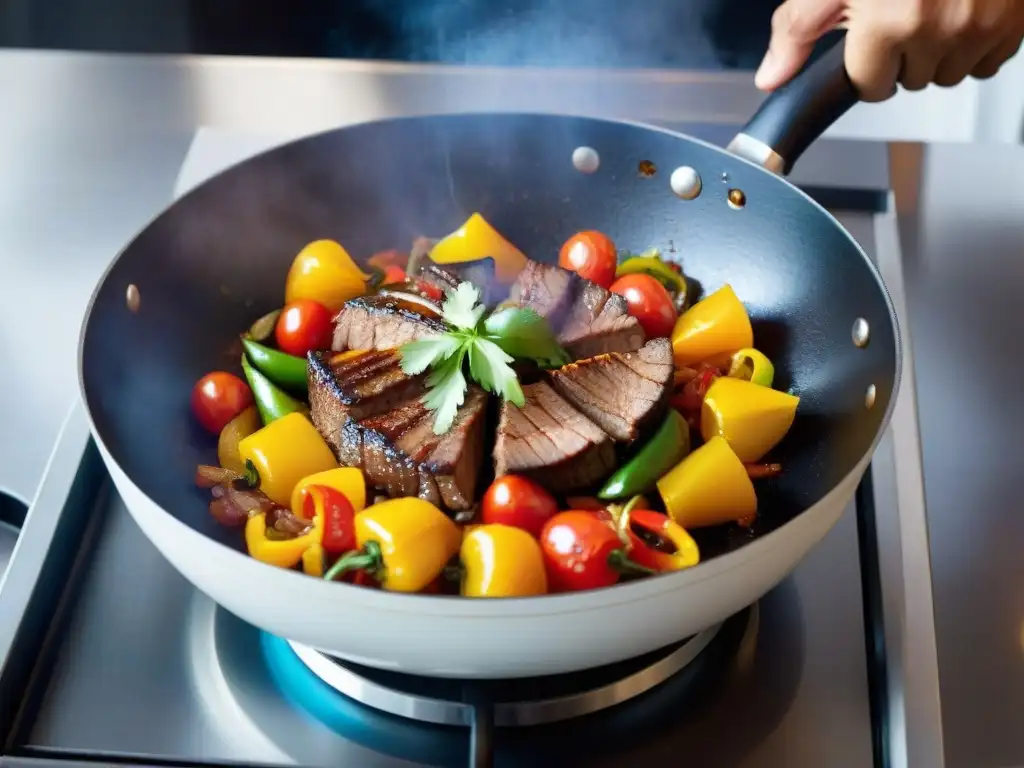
column 393, row 274
column 581, row 551
column 217, row 398
column 591, row 255
column 516, row 501
column 304, row 325
column 649, row 303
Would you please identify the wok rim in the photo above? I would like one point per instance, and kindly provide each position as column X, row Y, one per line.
column 537, row 605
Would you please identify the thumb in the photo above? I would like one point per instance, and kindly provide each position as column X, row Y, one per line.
column 796, row 27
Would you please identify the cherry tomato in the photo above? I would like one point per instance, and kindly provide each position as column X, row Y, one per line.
column 581, row 551
column 217, row 398
column 304, row 325
column 516, row 501
column 393, row 274
column 649, row 303
column 591, row 255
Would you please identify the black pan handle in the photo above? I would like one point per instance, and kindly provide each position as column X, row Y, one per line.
column 796, row 114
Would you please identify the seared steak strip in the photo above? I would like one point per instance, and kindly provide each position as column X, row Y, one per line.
column 551, row 442
column 621, row 393
column 400, row 454
column 355, row 385
column 588, row 319
column 383, row 322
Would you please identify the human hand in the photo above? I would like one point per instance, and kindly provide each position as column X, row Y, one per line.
column 911, row 42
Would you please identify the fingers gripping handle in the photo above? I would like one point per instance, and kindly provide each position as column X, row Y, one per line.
column 797, row 113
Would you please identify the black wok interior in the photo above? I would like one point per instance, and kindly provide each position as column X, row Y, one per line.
column 217, row 259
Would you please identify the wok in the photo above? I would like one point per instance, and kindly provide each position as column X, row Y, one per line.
column 217, row 259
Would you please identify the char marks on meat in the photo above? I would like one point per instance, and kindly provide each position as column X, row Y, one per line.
column 622, row 393
column 383, row 322
column 588, row 319
column 355, row 385
column 551, row 442
column 370, row 412
column 400, row 454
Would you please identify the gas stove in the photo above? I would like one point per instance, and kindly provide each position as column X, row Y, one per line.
column 108, row 656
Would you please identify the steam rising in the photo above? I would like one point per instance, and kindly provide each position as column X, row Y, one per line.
column 582, row 33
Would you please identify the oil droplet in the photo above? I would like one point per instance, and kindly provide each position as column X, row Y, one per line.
column 861, row 333
column 737, row 199
column 869, row 397
column 647, row 168
column 586, row 159
column 685, row 182
column 132, row 298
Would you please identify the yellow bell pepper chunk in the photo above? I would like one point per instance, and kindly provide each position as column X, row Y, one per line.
column 708, row 487
column 716, row 325
column 284, row 553
column 283, row 453
column 313, row 561
column 404, row 543
column 348, row 481
column 751, row 418
column 502, row 561
column 476, row 239
column 243, row 425
column 324, row 272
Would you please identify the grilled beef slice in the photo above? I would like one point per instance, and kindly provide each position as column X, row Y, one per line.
column 599, row 323
column 547, row 290
column 621, row 393
column 588, row 319
column 355, row 385
column 480, row 273
column 551, row 442
column 382, row 322
column 400, row 454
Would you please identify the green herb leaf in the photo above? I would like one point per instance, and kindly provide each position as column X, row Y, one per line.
column 489, row 367
column 461, row 307
column 522, row 333
column 447, row 391
column 417, row 356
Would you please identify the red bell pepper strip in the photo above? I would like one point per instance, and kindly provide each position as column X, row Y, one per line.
column 659, row 543
column 338, row 515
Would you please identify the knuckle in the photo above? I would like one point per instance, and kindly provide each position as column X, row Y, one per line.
column 791, row 20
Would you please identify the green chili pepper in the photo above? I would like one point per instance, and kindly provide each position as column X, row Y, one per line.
column 287, row 371
column 650, row 263
column 753, row 366
column 664, row 450
column 263, row 328
column 272, row 402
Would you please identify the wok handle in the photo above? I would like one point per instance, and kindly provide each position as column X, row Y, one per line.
column 796, row 114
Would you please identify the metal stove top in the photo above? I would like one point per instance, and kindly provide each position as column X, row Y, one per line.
column 108, row 655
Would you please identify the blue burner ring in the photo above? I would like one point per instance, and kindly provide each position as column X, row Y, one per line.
column 373, row 729
column 610, row 729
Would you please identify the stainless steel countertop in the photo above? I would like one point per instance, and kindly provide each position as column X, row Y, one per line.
column 90, row 148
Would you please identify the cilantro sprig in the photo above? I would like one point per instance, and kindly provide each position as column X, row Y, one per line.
column 488, row 344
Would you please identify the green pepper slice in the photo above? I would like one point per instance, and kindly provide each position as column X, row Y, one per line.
column 669, row 445
column 650, row 263
column 753, row 366
column 271, row 401
column 287, row 371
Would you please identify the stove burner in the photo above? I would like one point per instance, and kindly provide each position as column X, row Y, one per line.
column 438, row 720
column 515, row 702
